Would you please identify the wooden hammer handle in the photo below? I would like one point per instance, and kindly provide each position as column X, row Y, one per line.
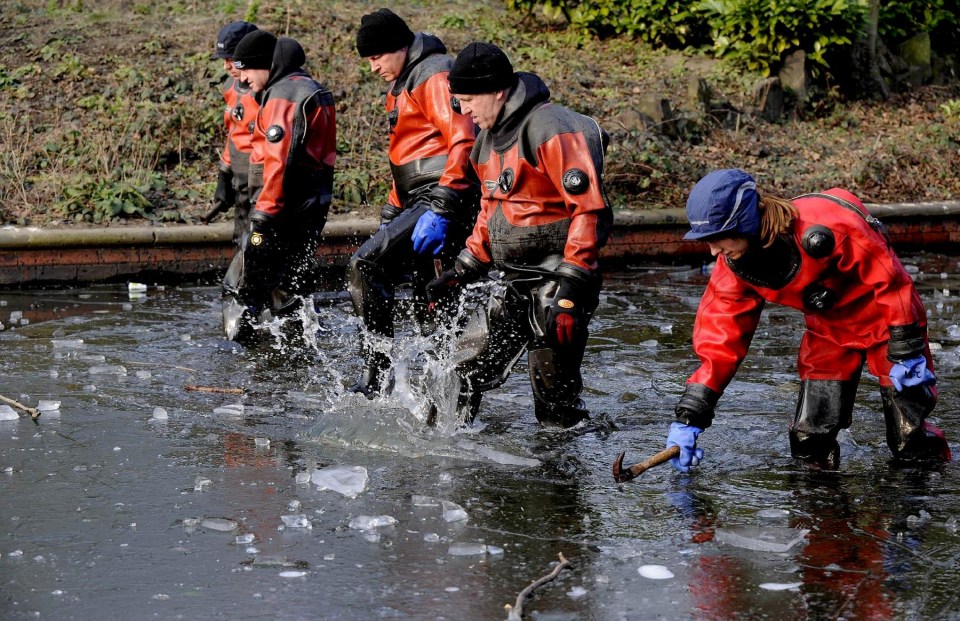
column 655, row 460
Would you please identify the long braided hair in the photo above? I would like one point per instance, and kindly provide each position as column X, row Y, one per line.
column 776, row 216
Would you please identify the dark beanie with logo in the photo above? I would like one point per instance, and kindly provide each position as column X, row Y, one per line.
column 481, row 68
column 229, row 36
column 382, row 32
column 255, row 51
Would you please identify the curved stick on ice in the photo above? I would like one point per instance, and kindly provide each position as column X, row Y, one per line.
column 218, row 389
column 33, row 412
column 622, row 475
column 515, row 612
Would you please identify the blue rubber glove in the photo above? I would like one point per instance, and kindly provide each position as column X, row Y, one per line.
column 429, row 233
column 685, row 436
column 912, row 372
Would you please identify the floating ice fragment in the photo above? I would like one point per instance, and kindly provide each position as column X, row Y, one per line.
column 261, row 442
column 222, row 525
column 370, row 522
column 246, row 539
column 16, row 316
column 761, row 539
column 229, row 409
column 48, row 406
column 292, row 574
column 951, row 524
column 200, row 484
column 67, row 343
column 302, row 478
column 136, row 287
column 773, row 514
column 8, row 413
column 781, row 586
column 372, row 536
column 577, row 591
column 293, row 505
column 494, row 550
column 460, row 548
column 126, row 306
column 346, row 480
column 916, row 520
column 159, row 414
column 452, row 512
column 185, row 337
column 161, row 596
column 424, row 501
column 297, row 520
column 107, row 369
column 666, row 329
column 144, row 374
column 431, row 537
column 499, row 457
column 655, row 572
column 54, row 373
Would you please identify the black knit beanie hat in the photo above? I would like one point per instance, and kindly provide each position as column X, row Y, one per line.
column 229, row 36
column 255, row 50
column 481, row 68
column 381, row 32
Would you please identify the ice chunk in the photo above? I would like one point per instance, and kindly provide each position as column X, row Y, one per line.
column 372, row 536
column 346, row 480
column 229, row 409
column 761, row 539
column 67, row 343
column 431, row 537
column 136, row 287
column 297, row 520
column 144, row 374
column 48, row 406
column 302, row 478
column 261, row 442
column 424, row 501
column 577, row 591
column 499, row 457
column 292, row 573
column 293, row 506
column 16, row 316
column 159, row 414
column 951, row 524
column 222, row 525
column 246, row 539
column 200, row 484
column 8, row 413
column 916, row 520
column 655, row 572
column 370, row 522
column 107, row 369
column 780, row 586
column 452, row 512
column 773, row 514
column 461, row 548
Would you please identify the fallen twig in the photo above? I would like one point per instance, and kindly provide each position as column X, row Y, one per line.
column 515, row 612
column 33, row 412
column 229, row 391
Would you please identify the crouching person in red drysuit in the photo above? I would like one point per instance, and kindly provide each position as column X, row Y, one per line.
column 824, row 255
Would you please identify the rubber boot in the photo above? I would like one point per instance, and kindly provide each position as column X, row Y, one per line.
column 468, row 405
column 909, row 435
column 372, row 376
column 562, row 416
column 823, row 409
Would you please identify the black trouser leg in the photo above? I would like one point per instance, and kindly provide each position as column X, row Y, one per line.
column 823, row 409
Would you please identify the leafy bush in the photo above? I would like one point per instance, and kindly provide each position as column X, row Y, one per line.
column 902, row 19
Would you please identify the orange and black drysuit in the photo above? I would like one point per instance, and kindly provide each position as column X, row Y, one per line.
column 430, row 163
column 859, row 303
column 291, row 185
column 544, row 217
column 238, row 118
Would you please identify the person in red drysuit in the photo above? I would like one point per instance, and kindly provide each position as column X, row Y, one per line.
column 824, row 255
column 241, row 109
column 434, row 198
column 291, row 177
column 544, row 218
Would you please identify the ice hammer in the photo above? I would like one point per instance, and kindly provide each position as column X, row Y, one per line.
column 621, row 475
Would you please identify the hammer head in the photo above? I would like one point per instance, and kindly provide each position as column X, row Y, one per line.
column 619, row 474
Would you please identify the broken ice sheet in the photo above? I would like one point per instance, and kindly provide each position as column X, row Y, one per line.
column 424, row 501
column 761, row 538
column 452, row 512
column 346, row 480
column 8, row 413
column 298, row 520
column 655, row 572
column 218, row 524
column 48, row 406
column 369, row 522
column 781, row 586
column 464, row 548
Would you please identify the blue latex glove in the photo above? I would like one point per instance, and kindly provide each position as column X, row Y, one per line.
column 911, row 372
column 429, row 233
column 685, row 436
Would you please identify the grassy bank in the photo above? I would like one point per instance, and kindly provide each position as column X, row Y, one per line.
column 110, row 111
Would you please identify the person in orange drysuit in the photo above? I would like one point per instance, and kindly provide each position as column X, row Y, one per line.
column 434, row 198
column 544, row 217
column 291, row 177
column 241, row 109
column 824, row 255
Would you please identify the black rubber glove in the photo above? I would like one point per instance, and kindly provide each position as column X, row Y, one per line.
column 567, row 315
column 696, row 406
column 223, row 198
column 387, row 213
column 448, row 284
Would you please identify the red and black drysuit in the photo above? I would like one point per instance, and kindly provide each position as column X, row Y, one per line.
column 544, row 217
column 232, row 188
column 430, row 163
column 859, row 303
column 291, row 185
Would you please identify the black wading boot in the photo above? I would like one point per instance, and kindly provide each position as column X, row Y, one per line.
column 823, row 409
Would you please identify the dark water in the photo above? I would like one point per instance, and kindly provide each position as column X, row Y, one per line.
column 107, row 513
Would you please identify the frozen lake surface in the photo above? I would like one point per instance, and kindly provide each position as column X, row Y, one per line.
column 135, row 498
